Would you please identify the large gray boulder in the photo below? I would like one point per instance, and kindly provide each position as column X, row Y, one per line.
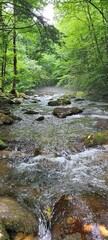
column 61, row 112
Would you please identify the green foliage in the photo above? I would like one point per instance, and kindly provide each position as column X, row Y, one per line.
column 78, row 57
column 25, row 38
column 84, row 57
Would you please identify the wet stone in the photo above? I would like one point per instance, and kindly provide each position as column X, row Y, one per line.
column 95, row 139
column 40, row 118
column 61, row 112
column 31, row 112
column 5, row 119
column 23, row 236
column 3, row 233
column 59, row 101
column 17, row 218
column 76, row 236
column 16, row 101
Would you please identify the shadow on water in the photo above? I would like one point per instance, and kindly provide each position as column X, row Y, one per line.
column 47, row 167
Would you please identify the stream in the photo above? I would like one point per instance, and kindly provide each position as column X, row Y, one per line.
column 47, row 160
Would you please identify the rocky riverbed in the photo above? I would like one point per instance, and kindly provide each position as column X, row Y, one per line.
column 53, row 167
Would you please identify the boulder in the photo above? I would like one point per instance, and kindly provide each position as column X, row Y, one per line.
column 64, row 112
column 31, row 111
column 40, row 118
column 79, row 99
column 5, row 119
column 16, row 101
column 60, row 101
column 95, row 139
column 17, row 218
column 71, row 217
column 67, row 218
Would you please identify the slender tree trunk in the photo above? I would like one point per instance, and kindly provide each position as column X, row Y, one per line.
column 2, row 50
column 14, row 48
column 105, row 32
column 90, row 30
column 94, row 33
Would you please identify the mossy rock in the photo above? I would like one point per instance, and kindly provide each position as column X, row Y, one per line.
column 3, row 233
column 96, row 139
column 5, row 119
column 60, row 101
column 2, row 145
column 80, row 94
column 70, row 94
column 17, row 218
column 22, row 95
column 62, row 112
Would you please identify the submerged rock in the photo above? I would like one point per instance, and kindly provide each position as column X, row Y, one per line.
column 60, row 101
column 75, row 236
column 102, row 124
column 95, row 139
column 67, row 218
column 23, row 236
column 31, row 111
column 64, row 112
column 74, row 217
column 2, row 145
column 37, row 151
column 17, row 218
column 40, row 118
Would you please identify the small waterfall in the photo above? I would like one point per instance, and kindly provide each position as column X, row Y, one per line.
column 44, row 232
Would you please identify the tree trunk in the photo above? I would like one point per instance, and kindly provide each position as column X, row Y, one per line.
column 105, row 32
column 2, row 50
column 14, row 48
column 94, row 34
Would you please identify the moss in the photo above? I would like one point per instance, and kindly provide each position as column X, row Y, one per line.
column 5, row 119
column 96, row 139
column 3, row 233
column 18, row 219
column 2, row 145
column 80, row 94
column 1, row 123
column 60, row 101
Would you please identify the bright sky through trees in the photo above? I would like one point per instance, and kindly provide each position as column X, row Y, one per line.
column 48, row 13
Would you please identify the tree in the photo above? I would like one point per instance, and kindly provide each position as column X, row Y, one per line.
column 84, row 24
column 23, row 16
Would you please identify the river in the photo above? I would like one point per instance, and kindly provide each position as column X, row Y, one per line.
column 62, row 166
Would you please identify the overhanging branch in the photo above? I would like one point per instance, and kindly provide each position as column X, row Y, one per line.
column 98, row 9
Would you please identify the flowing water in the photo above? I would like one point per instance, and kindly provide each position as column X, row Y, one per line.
column 62, row 166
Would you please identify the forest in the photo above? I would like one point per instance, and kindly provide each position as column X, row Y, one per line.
column 73, row 52
column 53, row 120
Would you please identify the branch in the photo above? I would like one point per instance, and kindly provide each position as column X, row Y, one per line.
column 9, row 29
column 89, row 1
column 39, row 17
